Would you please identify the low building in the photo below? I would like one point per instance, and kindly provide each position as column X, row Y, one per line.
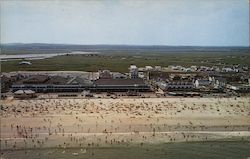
column 77, row 84
column 199, row 83
column 180, row 86
column 176, row 86
column 239, row 88
column 120, row 85
column 49, row 84
column 24, row 94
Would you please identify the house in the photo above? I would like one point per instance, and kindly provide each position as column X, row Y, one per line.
column 46, row 84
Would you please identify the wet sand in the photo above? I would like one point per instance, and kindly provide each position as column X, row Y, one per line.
column 64, row 123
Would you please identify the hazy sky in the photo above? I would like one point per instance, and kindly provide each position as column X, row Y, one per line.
column 155, row 22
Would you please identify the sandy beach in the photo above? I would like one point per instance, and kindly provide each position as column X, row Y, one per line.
column 64, row 123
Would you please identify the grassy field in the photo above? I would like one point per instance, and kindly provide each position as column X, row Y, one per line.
column 193, row 150
column 121, row 61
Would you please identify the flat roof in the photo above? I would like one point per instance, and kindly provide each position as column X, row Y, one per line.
column 119, row 82
column 53, row 80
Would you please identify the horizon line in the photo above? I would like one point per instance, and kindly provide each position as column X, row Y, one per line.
column 15, row 43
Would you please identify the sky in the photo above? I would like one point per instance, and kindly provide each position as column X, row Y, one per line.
column 130, row 22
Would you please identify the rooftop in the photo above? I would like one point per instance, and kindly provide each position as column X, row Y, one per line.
column 24, row 92
column 55, row 80
column 35, row 79
column 119, row 82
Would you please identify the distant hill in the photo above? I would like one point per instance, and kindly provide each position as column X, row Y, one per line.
column 19, row 48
